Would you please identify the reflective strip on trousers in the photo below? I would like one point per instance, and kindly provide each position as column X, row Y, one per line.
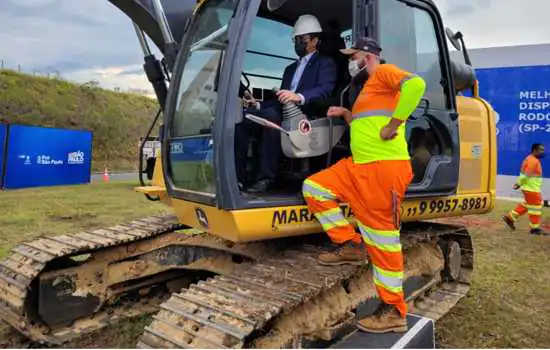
column 331, row 218
column 533, row 209
column 390, row 280
column 387, row 241
column 373, row 113
column 312, row 190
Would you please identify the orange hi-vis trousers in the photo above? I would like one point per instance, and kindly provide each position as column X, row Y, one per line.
column 532, row 206
column 374, row 191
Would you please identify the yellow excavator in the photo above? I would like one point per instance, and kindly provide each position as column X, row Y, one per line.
column 233, row 269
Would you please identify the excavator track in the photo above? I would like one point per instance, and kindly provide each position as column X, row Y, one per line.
column 20, row 269
column 248, row 302
column 289, row 300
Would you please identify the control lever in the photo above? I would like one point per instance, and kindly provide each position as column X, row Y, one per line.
column 331, row 127
column 267, row 123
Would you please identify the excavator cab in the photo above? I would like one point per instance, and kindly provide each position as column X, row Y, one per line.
column 230, row 47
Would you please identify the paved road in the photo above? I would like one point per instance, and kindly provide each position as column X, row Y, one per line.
column 115, row 177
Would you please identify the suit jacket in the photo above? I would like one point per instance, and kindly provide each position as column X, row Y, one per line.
column 318, row 82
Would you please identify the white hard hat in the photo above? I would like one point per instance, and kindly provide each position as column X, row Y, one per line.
column 306, row 24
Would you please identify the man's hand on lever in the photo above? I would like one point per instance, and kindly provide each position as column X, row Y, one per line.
column 286, row 96
column 249, row 100
column 340, row 112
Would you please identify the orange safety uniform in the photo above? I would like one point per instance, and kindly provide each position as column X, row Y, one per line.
column 374, row 180
column 530, row 182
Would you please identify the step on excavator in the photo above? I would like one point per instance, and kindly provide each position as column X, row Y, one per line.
column 231, row 269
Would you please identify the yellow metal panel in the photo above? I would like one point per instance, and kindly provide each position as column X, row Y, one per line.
column 476, row 147
column 259, row 224
column 157, row 187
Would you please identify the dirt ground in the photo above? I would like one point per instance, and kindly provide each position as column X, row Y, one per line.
column 507, row 306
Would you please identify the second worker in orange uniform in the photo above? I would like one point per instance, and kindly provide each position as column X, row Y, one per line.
column 530, row 183
column 372, row 181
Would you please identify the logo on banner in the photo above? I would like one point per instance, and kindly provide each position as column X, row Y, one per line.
column 75, row 157
column 47, row 160
column 26, row 159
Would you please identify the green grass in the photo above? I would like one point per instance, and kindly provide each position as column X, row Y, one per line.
column 118, row 120
column 30, row 213
column 507, row 305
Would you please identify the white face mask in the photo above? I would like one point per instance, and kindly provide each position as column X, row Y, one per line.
column 354, row 69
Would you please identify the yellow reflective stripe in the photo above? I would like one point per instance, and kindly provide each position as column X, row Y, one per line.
column 386, row 248
column 534, row 225
column 313, row 190
column 393, row 274
column 331, row 212
column 388, row 241
column 332, row 218
column 385, row 233
column 532, row 176
column 533, row 207
column 390, row 280
column 335, row 224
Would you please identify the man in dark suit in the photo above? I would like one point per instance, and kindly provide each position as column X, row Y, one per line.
column 313, row 77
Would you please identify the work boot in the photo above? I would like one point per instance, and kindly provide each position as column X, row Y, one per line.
column 260, row 187
column 385, row 319
column 347, row 253
column 508, row 221
column 538, row 232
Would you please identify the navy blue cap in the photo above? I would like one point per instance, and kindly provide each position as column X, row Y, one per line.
column 365, row 44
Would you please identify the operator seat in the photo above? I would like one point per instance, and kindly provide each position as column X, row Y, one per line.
column 306, row 136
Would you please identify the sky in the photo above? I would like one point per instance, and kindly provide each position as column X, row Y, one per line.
column 92, row 40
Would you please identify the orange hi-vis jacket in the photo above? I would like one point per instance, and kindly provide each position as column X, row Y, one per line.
column 530, row 178
column 378, row 102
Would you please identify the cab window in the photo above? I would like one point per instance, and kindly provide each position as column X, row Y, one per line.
column 190, row 155
column 411, row 43
column 269, row 52
column 197, row 93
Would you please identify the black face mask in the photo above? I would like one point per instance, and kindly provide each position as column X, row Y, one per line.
column 300, row 48
column 540, row 155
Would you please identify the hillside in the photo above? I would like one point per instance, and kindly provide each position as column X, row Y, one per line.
column 118, row 120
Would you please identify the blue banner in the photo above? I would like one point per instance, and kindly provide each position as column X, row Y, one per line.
column 3, row 129
column 47, row 156
column 521, row 97
column 192, row 149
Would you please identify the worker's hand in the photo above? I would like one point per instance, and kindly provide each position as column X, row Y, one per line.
column 286, row 96
column 516, row 187
column 337, row 112
column 388, row 133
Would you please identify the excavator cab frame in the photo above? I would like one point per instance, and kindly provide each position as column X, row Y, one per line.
column 193, row 157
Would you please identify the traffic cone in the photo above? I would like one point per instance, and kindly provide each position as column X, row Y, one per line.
column 106, row 175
